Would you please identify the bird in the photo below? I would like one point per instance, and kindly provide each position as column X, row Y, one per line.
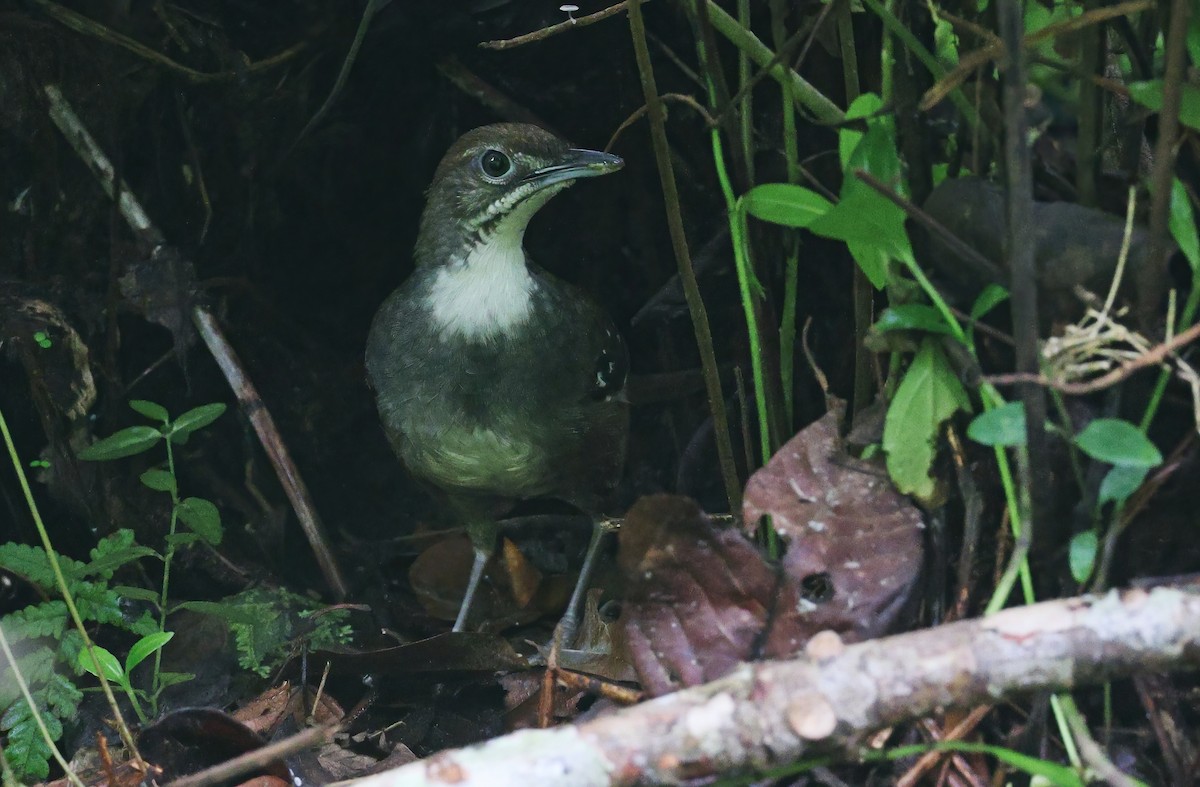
column 495, row 381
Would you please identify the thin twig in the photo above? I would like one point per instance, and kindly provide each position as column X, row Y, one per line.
column 681, row 98
column 561, row 27
column 1152, row 357
column 258, row 758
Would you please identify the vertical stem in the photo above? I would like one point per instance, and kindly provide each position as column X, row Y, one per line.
column 746, row 110
column 1019, row 193
column 791, row 238
column 687, row 276
column 1088, row 142
column 168, row 557
column 863, row 292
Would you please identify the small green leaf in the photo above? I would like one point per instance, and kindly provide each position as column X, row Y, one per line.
column 136, row 593
column 196, row 418
column 126, row 442
column 42, row 339
column 992, row 296
column 172, row 678
column 1003, row 426
column 1052, row 772
column 1150, row 94
column 928, row 395
column 1121, row 482
column 1082, row 555
column 912, row 317
column 144, row 647
column 149, row 409
column 1117, row 442
column 158, row 479
column 182, row 539
column 108, row 663
column 849, row 137
column 786, row 204
column 1183, row 225
column 202, row 517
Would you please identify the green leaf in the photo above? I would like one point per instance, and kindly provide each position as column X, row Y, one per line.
column 182, row 539
column 1003, row 426
column 1082, row 555
column 108, row 663
column 135, row 593
column 785, row 203
column 911, row 317
column 849, row 138
column 1117, row 442
column 1150, row 94
column 144, row 647
column 172, row 678
column 873, row 260
column 929, row 394
column 202, row 517
column 149, row 409
column 1183, row 225
column 992, row 296
column 114, row 551
column 196, row 418
column 126, row 442
column 159, row 480
column 1121, row 482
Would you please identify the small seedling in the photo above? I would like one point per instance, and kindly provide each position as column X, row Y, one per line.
column 43, row 340
column 151, row 643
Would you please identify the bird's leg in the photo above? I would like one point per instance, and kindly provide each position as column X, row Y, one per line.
column 565, row 631
column 483, row 542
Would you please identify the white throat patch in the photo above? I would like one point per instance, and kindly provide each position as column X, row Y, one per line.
column 488, row 290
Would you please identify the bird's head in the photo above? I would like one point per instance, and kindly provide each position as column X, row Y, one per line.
column 491, row 183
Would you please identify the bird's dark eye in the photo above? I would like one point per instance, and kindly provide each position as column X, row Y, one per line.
column 495, row 164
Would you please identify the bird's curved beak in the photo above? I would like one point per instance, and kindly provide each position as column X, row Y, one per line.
column 576, row 163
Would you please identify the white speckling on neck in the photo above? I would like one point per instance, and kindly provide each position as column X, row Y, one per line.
column 488, row 290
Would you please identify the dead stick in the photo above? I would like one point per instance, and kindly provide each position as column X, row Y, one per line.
column 561, row 27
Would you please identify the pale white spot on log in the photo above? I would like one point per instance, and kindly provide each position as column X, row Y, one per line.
column 811, row 717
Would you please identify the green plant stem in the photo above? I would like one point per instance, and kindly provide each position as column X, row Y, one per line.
column 1063, row 705
column 863, row 292
column 805, row 95
column 687, row 275
column 168, row 558
column 1164, row 376
column 791, row 238
column 33, row 708
column 991, row 399
column 897, row 28
column 52, row 558
column 746, row 110
column 127, row 687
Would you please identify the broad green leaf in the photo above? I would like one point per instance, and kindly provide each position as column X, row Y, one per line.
column 126, row 442
column 992, row 296
column 1003, row 426
column 144, row 647
column 1150, row 94
column 929, row 394
column 864, row 106
column 196, row 418
column 150, row 409
column 873, row 260
column 1082, row 555
column 1183, row 225
column 1118, row 442
column 158, row 479
column 911, row 317
column 1121, row 482
column 108, row 663
column 202, row 517
column 786, row 204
